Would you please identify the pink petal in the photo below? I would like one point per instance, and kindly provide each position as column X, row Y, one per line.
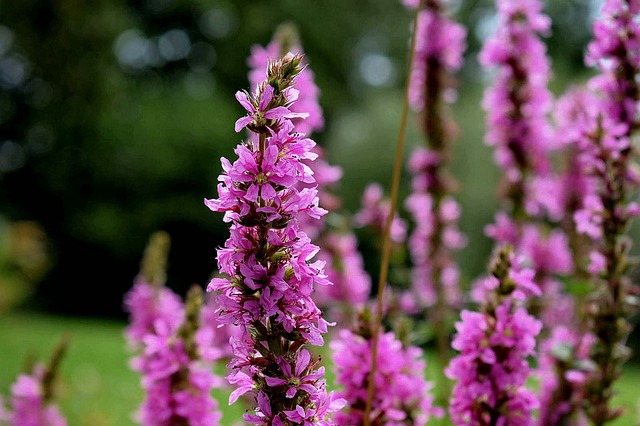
column 252, row 193
column 244, row 101
column 238, row 392
column 277, row 112
column 267, row 95
column 274, row 381
column 297, row 115
column 302, row 361
column 268, row 193
column 241, row 123
column 291, row 392
column 270, row 157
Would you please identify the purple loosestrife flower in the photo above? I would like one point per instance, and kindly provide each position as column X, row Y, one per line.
column 177, row 372
column 402, row 394
column 607, row 212
column 491, row 369
column 29, row 406
column 286, row 40
column 563, row 368
column 573, row 113
column 438, row 55
column 269, row 261
column 343, row 262
column 440, row 44
column 519, row 101
column 32, row 395
column 518, row 105
column 176, row 347
column 374, row 211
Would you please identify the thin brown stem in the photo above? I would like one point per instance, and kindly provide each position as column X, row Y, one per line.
column 386, row 238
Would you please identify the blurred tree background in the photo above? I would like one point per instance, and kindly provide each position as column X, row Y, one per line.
column 114, row 113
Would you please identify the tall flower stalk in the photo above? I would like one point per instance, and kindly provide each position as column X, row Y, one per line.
column 440, row 43
column 606, row 213
column 518, row 101
column 518, row 106
column 269, row 261
column 492, row 368
column 533, row 204
column 175, row 352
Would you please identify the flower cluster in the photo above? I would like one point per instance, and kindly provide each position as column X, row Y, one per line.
column 402, row 394
column 440, row 44
column 374, row 212
column 491, row 369
column 563, row 367
column 609, row 159
column 29, row 405
column 175, row 347
column 519, row 101
column 339, row 249
column 573, row 112
column 269, row 261
column 31, row 402
column 517, row 106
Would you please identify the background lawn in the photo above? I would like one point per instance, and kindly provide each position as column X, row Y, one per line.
column 98, row 389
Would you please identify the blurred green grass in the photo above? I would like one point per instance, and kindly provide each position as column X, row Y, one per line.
column 97, row 388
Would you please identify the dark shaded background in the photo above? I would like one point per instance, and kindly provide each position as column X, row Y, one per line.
column 114, row 113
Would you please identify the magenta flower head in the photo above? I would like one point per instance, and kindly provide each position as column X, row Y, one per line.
column 610, row 160
column 491, row 368
column 402, row 394
column 374, row 212
column 438, row 54
column 440, row 44
column 175, row 347
column 338, row 245
column 286, row 40
column 176, row 368
column 518, row 102
column 268, row 263
column 32, row 396
column 564, row 368
column 29, row 405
